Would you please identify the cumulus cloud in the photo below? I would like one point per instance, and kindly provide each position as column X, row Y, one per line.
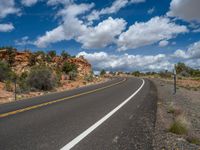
column 103, row 34
column 29, row 3
column 56, row 2
column 73, row 28
column 69, row 29
column 151, row 10
column 6, row 27
column 129, row 62
column 126, row 62
column 146, row 33
column 163, row 43
column 185, row 9
column 193, row 52
column 115, row 7
column 7, row 7
column 23, row 41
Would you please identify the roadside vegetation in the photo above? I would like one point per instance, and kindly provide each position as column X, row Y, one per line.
column 41, row 76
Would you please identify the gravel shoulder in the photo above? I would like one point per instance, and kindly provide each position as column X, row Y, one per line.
column 186, row 101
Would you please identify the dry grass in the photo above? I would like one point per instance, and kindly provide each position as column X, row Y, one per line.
column 194, row 140
column 180, row 125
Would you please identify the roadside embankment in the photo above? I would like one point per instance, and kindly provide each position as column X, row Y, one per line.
column 178, row 118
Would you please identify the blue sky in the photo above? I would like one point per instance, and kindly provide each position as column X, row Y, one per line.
column 128, row 35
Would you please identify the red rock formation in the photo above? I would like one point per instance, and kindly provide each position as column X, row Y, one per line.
column 21, row 62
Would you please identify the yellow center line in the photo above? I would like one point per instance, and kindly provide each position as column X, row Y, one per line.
column 56, row 101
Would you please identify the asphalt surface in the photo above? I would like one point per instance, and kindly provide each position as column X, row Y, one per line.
column 54, row 125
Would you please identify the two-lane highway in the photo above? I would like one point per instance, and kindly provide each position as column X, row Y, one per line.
column 119, row 114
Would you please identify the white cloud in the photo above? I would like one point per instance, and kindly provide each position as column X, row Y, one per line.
column 163, row 43
column 146, row 33
column 185, row 9
column 7, row 7
column 194, row 63
column 29, row 3
column 103, row 34
column 23, row 41
column 73, row 28
column 6, row 27
column 193, row 52
column 151, row 10
column 115, row 7
column 180, row 54
column 126, row 62
column 56, row 2
column 196, row 30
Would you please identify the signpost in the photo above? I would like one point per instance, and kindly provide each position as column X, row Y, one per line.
column 15, row 82
column 174, row 79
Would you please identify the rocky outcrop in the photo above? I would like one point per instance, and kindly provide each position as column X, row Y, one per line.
column 21, row 62
column 83, row 67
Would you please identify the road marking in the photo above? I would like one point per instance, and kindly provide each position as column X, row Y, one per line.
column 58, row 100
column 98, row 123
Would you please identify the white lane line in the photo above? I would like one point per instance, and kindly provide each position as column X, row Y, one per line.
column 98, row 123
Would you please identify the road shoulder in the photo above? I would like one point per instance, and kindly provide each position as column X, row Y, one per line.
column 169, row 107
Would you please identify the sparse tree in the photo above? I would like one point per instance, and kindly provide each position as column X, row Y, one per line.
column 68, row 67
column 52, row 53
column 103, row 72
column 65, row 55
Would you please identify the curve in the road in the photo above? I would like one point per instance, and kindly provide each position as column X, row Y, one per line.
column 98, row 123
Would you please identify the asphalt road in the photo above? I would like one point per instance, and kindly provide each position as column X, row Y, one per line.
column 119, row 114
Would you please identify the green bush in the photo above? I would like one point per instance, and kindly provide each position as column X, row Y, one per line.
column 194, row 140
column 89, row 77
column 165, row 74
column 41, row 78
column 8, row 86
column 32, row 60
column 52, row 53
column 69, row 67
column 11, row 52
column 103, row 72
column 72, row 75
column 5, row 71
column 65, row 55
column 23, row 83
column 136, row 73
column 48, row 58
column 178, row 127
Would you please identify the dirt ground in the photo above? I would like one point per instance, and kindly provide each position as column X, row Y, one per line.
column 185, row 100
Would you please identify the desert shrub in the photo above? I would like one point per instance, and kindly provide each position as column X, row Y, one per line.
column 8, row 86
column 32, row 60
column 165, row 74
column 23, row 83
column 41, row 78
column 89, row 77
column 136, row 73
column 11, row 55
column 103, row 72
column 5, row 71
column 72, row 75
column 69, row 67
column 179, row 126
column 65, row 55
column 193, row 140
column 52, row 53
column 180, row 67
column 48, row 58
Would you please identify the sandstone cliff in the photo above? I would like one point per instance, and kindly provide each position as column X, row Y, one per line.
column 22, row 62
